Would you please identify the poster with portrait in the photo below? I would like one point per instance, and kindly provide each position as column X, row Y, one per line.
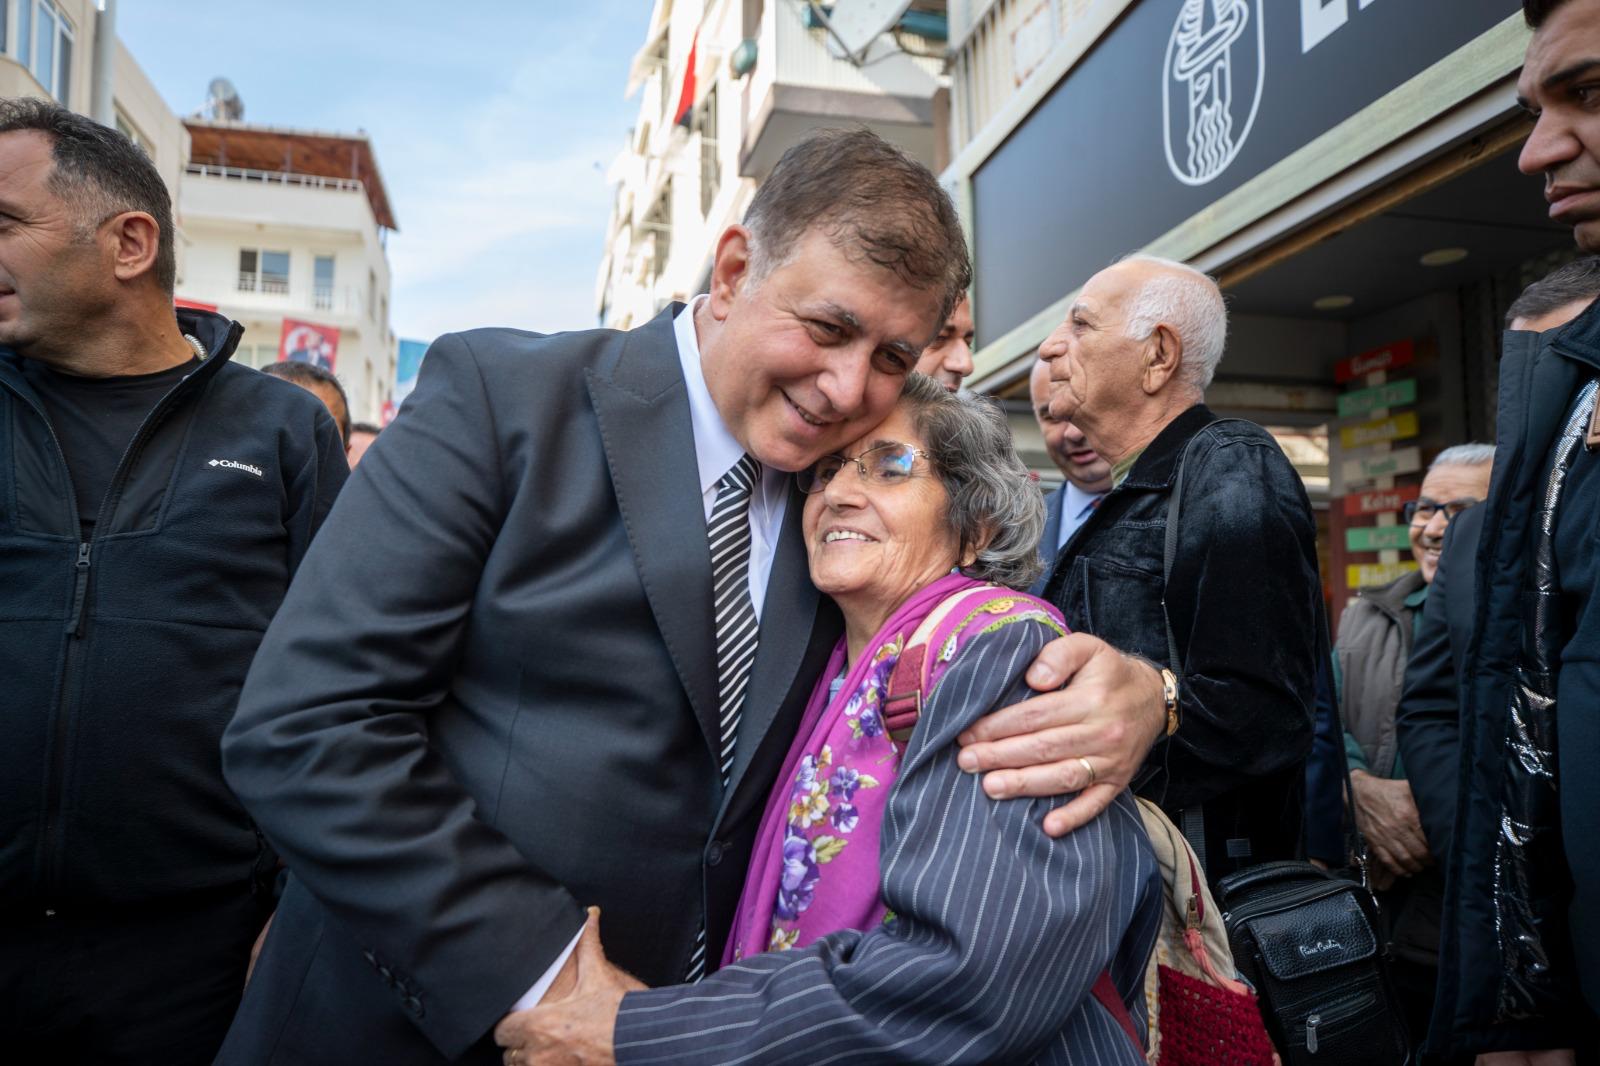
column 307, row 342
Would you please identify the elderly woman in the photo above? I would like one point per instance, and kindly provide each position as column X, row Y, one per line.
column 894, row 912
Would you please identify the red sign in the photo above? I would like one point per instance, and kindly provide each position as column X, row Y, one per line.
column 307, row 342
column 1380, row 501
column 1386, row 358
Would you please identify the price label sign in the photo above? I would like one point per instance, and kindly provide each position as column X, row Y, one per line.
column 1379, row 430
column 1377, row 538
column 1369, row 575
column 1394, row 394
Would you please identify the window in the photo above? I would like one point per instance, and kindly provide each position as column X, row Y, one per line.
column 126, row 127
column 710, row 173
column 322, row 283
column 261, row 271
column 45, row 38
column 372, row 292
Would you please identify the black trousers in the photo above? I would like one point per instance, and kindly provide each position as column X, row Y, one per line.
column 152, row 985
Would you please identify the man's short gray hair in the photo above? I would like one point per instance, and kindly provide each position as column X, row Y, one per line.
column 1474, row 454
column 992, row 495
column 1191, row 304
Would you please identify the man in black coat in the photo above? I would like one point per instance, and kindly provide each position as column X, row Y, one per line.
column 517, row 708
column 155, row 500
column 1520, row 954
column 1129, row 366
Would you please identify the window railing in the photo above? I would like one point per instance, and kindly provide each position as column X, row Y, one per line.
column 322, row 297
column 247, row 282
column 272, row 286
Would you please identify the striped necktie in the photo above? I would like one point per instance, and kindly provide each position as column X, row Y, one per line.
column 737, row 627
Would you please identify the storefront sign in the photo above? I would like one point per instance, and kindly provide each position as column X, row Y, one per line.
column 1377, row 538
column 1396, row 427
column 1380, row 501
column 1394, row 394
column 1390, row 464
column 1177, row 105
column 1370, row 575
column 1389, row 357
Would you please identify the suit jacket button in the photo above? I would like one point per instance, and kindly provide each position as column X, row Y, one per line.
column 387, row 974
column 714, row 852
column 414, row 1005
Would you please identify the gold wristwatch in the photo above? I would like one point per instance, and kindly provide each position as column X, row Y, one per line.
column 1169, row 693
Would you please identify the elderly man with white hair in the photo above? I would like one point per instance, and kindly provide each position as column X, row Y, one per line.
column 1229, row 618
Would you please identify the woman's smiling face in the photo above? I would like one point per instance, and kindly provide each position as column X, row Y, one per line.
column 872, row 544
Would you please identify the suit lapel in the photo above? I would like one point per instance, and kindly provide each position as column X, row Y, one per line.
column 787, row 619
column 646, row 428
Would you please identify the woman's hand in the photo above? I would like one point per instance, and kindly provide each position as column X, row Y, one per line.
column 1110, row 713
column 574, row 1030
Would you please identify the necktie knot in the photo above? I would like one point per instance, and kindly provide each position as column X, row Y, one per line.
column 740, row 478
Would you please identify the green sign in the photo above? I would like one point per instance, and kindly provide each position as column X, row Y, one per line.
column 1394, row 394
column 1376, row 538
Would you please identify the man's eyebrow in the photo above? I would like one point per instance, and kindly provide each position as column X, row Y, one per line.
column 848, row 319
column 1570, row 72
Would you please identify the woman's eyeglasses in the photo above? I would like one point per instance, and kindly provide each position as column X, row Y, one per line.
column 883, row 464
column 1420, row 512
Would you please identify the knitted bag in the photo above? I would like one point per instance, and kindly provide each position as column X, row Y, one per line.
column 1198, row 1016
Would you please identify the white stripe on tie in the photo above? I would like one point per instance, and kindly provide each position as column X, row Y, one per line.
column 735, row 623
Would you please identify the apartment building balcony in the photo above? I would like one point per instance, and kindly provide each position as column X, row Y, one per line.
column 798, row 86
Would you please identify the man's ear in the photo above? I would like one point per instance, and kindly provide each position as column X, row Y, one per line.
column 1162, row 357
column 730, row 270
column 135, row 242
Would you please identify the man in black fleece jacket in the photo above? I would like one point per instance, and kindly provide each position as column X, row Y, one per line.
column 154, row 502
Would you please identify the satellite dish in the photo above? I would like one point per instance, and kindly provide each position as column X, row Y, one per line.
column 855, row 24
column 222, row 101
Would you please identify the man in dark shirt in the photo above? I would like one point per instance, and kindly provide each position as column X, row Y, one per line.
column 155, row 500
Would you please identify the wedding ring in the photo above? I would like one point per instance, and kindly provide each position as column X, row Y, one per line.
column 1088, row 768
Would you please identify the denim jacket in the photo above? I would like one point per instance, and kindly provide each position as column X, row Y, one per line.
column 1242, row 601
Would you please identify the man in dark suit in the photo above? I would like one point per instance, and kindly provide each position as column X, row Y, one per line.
column 531, row 700
column 1088, row 475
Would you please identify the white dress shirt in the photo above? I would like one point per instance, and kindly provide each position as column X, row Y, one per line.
column 715, row 452
column 1076, row 507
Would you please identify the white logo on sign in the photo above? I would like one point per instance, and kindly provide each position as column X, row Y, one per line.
column 232, row 465
column 1208, row 56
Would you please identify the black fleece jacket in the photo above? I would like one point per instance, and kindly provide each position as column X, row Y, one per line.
column 121, row 658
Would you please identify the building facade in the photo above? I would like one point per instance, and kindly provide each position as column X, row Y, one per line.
column 725, row 87
column 1346, row 169
column 292, row 225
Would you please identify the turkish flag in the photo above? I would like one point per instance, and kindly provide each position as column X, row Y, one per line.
column 686, row 97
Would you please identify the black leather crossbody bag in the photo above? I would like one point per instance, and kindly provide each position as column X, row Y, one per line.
column 1306, row 939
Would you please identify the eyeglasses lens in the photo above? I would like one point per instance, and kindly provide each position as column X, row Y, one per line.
column 891, row 463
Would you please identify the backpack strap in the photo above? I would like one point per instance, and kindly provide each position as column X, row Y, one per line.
column 902, row 707
column 1105, row 990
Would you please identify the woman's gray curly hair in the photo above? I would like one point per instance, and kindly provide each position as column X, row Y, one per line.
column 990, row 488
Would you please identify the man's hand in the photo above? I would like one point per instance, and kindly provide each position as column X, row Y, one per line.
column 574, row 1030
column 1387, row 816
column 1110, row 713
column 255, row 949
column 1554, row 1057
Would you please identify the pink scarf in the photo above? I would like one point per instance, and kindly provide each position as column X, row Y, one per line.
column 814, row 869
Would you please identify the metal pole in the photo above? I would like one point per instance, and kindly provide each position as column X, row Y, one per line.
column 102, row 78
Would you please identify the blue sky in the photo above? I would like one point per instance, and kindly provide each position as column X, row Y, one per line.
column 493, row 123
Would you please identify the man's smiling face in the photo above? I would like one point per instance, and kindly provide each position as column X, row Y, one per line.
column 1560, row 87
column 814, row 355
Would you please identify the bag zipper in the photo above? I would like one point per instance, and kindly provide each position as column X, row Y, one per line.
column 1340, row 1011
column 1308, row 894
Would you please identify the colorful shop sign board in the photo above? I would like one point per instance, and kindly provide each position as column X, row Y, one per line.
column 1390, row 464
column 1380, row 501
column 1364, row 401
column 1389, row 357
column 1369, row 575
column 1379, row 430
column 1377, row 538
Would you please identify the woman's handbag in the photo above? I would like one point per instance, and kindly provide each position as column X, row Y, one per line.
column 1199, row 1016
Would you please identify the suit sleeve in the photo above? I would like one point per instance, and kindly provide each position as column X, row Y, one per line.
column 1428, row 719
column 329, row 749
column 999, row 934
column 1247, row 545
column 315, row 487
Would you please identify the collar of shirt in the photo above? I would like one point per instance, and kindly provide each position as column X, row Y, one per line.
column 716, row 449
column 1076, row 502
